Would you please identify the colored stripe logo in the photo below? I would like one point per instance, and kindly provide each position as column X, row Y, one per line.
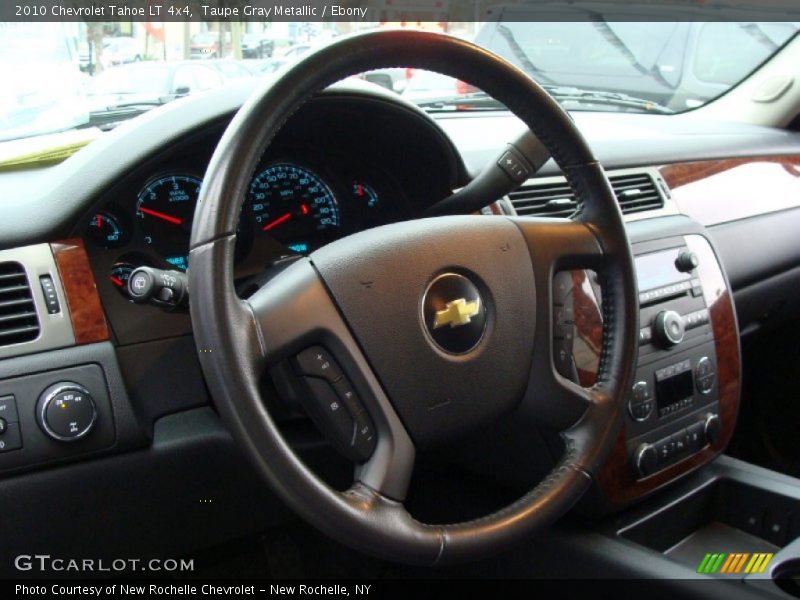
column 734, row 563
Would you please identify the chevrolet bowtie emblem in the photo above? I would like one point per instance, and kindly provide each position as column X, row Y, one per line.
column 456, row 313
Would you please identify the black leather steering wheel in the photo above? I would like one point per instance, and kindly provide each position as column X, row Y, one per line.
column 365, row 298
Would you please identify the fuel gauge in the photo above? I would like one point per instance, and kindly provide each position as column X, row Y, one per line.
column 106, row 230
column 123, row 267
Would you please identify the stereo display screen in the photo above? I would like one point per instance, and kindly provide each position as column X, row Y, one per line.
column 658, row 269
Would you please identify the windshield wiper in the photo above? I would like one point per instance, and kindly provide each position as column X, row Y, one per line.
column 471, row 101
column 563, row 93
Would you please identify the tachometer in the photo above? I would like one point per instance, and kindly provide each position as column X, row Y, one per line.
column 165, row 208
column 293, row 205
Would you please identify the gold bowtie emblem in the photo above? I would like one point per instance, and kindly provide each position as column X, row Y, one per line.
column 456, row 313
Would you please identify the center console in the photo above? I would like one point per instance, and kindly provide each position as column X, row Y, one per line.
column 673, row 409
column 681, row 410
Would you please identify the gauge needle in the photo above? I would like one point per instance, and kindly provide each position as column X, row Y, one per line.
column 116, row 281
column 160, row 215
column 99, row 222
column 277, row 221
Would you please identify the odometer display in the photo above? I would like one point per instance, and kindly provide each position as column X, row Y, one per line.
column 293, row 204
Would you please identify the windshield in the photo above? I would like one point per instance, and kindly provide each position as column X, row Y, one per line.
column 73, row 71
column 131, row 80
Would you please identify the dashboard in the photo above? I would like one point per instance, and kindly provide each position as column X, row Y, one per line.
column 326, row 176
column 348, row 161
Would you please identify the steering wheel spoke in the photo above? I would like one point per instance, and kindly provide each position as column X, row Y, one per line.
column 293, row 313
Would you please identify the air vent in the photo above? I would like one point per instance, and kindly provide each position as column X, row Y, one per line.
column 18, row 320
column 552, row 199
column 636, row 192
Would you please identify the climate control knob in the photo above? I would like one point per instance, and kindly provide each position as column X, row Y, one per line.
column 705, row 375
column 668, row 328
column 645, row 460
column 711, row 428
column 66, row 412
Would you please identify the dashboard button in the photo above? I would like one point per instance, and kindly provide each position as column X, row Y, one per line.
column 8, row 409
column 11, row 438
column 697, row 439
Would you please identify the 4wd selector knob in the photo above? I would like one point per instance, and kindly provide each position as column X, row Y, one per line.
column 66, row 411
column 668, row 328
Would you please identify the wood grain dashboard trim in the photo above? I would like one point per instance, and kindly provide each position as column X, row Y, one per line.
column 719, row 191
column 616, row 478
column 80, row 289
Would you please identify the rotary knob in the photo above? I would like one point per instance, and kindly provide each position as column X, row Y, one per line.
column 645, row 460
column 711, row 428
column 668, row 328
column 66, row 412
column 686, row 261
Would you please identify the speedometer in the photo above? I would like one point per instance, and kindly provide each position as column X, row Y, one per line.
column 294, row 205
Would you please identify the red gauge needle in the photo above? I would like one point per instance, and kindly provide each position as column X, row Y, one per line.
column 277, row 221
column 99, row 222
column 160, row 215
column 116, row 281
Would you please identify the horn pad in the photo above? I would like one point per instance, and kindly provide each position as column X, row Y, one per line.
column 445, row 310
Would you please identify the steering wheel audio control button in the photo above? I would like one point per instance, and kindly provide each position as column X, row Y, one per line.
column 318, row 362
column 66, row 412
column 330, row 413
column 352, row 433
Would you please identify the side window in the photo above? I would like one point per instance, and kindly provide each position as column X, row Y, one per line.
column 206, row 77
column 183, row 80
column 746, row 45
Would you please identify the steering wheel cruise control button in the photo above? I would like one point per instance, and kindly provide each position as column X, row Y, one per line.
column 66, row 412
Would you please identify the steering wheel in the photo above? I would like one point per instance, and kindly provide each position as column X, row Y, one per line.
column 440, row 325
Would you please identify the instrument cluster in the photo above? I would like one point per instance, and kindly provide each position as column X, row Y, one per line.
column 292, row 208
